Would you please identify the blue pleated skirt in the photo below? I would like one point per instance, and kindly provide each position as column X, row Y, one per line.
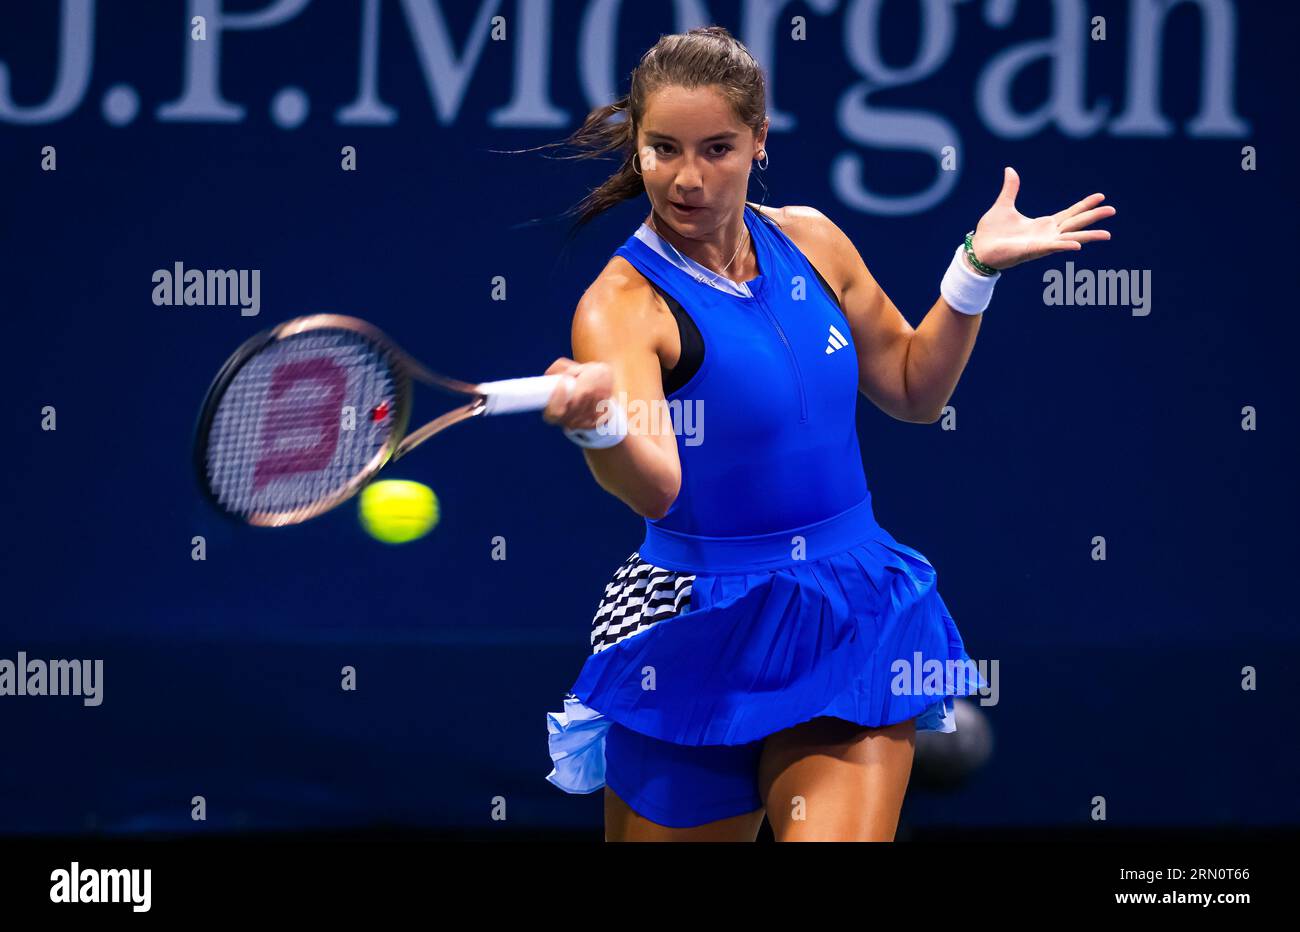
column 706, row 641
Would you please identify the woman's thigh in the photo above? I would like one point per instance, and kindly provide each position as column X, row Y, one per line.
column 832, row 780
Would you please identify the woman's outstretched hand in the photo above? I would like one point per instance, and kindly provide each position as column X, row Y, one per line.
column 1005, row 237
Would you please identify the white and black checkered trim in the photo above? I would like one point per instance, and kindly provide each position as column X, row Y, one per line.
column 640, row 595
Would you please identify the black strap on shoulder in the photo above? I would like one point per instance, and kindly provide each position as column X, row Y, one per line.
column 830, row 292
column 692, row 341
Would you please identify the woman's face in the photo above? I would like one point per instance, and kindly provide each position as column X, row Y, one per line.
column 695, row 156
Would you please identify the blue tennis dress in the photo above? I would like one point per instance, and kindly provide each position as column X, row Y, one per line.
column 767, row 595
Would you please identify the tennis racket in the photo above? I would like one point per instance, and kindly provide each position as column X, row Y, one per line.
column 301, row 417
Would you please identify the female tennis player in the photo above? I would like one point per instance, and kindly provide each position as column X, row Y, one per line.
column 759, row 652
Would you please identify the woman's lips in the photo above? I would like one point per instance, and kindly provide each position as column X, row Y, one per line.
column 684, row 210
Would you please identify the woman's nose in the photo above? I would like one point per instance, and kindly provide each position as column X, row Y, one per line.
column 687, row 180
column 688, row 177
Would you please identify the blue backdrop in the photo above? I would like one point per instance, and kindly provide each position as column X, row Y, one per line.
column 127, row 145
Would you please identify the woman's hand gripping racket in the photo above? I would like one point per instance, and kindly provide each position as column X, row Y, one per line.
column 301, row 417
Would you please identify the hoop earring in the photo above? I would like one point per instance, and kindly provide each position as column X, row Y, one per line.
column 763, row 160
column 634, row 163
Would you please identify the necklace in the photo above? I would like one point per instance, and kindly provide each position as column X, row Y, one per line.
column 699, row 278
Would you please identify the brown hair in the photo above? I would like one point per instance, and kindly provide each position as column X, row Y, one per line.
column 706, row 56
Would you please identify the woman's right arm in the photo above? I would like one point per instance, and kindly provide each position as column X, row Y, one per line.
column 615, row 339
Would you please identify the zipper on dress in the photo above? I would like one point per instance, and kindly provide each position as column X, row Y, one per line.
column 794, row 363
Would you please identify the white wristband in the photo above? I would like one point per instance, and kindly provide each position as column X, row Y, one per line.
column 963, row 288
column 607, row 434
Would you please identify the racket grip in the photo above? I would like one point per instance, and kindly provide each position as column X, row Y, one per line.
column 510, row 396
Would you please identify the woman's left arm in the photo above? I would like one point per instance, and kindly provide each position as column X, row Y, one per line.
column 910, row 373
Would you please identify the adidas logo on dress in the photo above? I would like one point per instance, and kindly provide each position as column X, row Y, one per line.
column 835, row 342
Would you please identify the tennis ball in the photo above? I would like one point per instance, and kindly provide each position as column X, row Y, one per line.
column 397, row 511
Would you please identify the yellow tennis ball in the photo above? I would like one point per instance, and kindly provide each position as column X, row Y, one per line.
column 397, row 511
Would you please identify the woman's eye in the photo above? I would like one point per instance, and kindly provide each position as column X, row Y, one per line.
column 718, row 148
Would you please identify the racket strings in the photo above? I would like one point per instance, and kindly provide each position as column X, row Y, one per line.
column 300, row 423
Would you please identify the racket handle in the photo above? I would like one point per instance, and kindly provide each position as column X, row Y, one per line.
column 510, row 396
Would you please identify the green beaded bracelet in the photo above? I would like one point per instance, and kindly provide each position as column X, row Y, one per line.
column 970, row 254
